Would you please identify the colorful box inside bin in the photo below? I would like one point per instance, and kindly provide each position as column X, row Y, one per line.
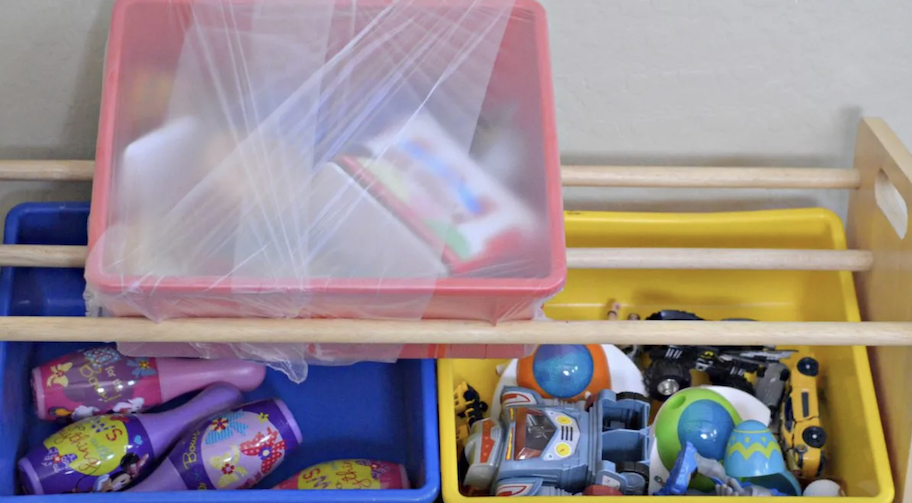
column 855, row 447
column 345, row 170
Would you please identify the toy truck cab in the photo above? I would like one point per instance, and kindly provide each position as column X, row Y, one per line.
column 669, row 368
column 550, row 447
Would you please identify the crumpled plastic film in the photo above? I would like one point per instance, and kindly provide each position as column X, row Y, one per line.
column 291, row 359
column 278, row 158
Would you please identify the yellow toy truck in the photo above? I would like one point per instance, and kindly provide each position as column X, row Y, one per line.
column 800, row 433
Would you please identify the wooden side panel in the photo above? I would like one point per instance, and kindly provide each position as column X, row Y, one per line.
column 885, row 292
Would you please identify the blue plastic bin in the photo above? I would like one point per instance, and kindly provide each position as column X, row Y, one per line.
column 368, row 410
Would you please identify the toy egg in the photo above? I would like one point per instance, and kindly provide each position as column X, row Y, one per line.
column 753, row 451
column 753, row 454
column 696, row 415
column 565, row 371
column 823, row 487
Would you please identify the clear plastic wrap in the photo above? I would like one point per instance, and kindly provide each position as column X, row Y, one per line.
column 362, row 159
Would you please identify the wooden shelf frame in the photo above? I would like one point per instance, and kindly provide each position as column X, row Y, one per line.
column 880, row 257
column 873, row 259
column 877, row 258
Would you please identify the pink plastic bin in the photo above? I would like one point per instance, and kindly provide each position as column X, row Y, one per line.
column 521, row 75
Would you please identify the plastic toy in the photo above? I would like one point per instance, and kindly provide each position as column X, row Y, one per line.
column 752, row 451
column 548, row 447
column 566, row 371
column 349, row 474
column 690, row 464
column 696, row 415
column 824, row 487
column 101, row 380
column 107, row 453
column 682, row 473
column 734, row 487
column 234, row 449
column 771, row 386
column 468, row 406
column 669, row 368
column 747, row 405
column 802, row 436
column 753, row 455
column 625, row 375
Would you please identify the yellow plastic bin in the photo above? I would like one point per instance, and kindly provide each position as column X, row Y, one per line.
column 856, row 451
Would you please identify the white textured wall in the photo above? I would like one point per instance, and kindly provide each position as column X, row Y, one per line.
column 51, row 55
column 676, row 81
column 726, row 83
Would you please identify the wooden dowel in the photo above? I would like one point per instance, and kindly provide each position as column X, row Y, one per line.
column 454, row 332
column 577, row 258
column 571, row 175
column 47, row 170
column 42, row 256
column 707, row 177
column 719, row 258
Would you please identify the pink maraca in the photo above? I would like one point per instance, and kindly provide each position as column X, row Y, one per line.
column 101, row 380
column 107, row 453
column 233, row 450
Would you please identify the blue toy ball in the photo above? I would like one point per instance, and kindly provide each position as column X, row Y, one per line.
column 564, row 370
column 706, row 425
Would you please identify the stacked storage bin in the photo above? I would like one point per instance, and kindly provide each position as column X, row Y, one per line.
column 855, row 443
column 370, row 410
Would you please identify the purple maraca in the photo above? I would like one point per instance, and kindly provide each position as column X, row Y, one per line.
column 107, row 453
column 233, row 450
column 100, row 380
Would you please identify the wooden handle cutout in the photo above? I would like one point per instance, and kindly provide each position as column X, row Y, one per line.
column 891, row 204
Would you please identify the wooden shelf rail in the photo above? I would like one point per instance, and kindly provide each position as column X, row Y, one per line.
column 454, row 332
column 70, row 171
column 571, row 175
column 577, row 258
column 709, row 177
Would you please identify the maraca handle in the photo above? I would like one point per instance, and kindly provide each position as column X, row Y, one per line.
column 164, row 428
column 179, row 376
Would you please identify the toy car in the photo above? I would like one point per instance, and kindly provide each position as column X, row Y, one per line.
column 546, row 447
column 669, row 368
column 800, row 433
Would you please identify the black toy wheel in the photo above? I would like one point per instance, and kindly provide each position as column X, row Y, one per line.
column 737, row 382
column 808, row 366
column 636, row 467
column 664, row 378
column 672, row 314
column 814, row 437
column 785, row 375
column 631, row 395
